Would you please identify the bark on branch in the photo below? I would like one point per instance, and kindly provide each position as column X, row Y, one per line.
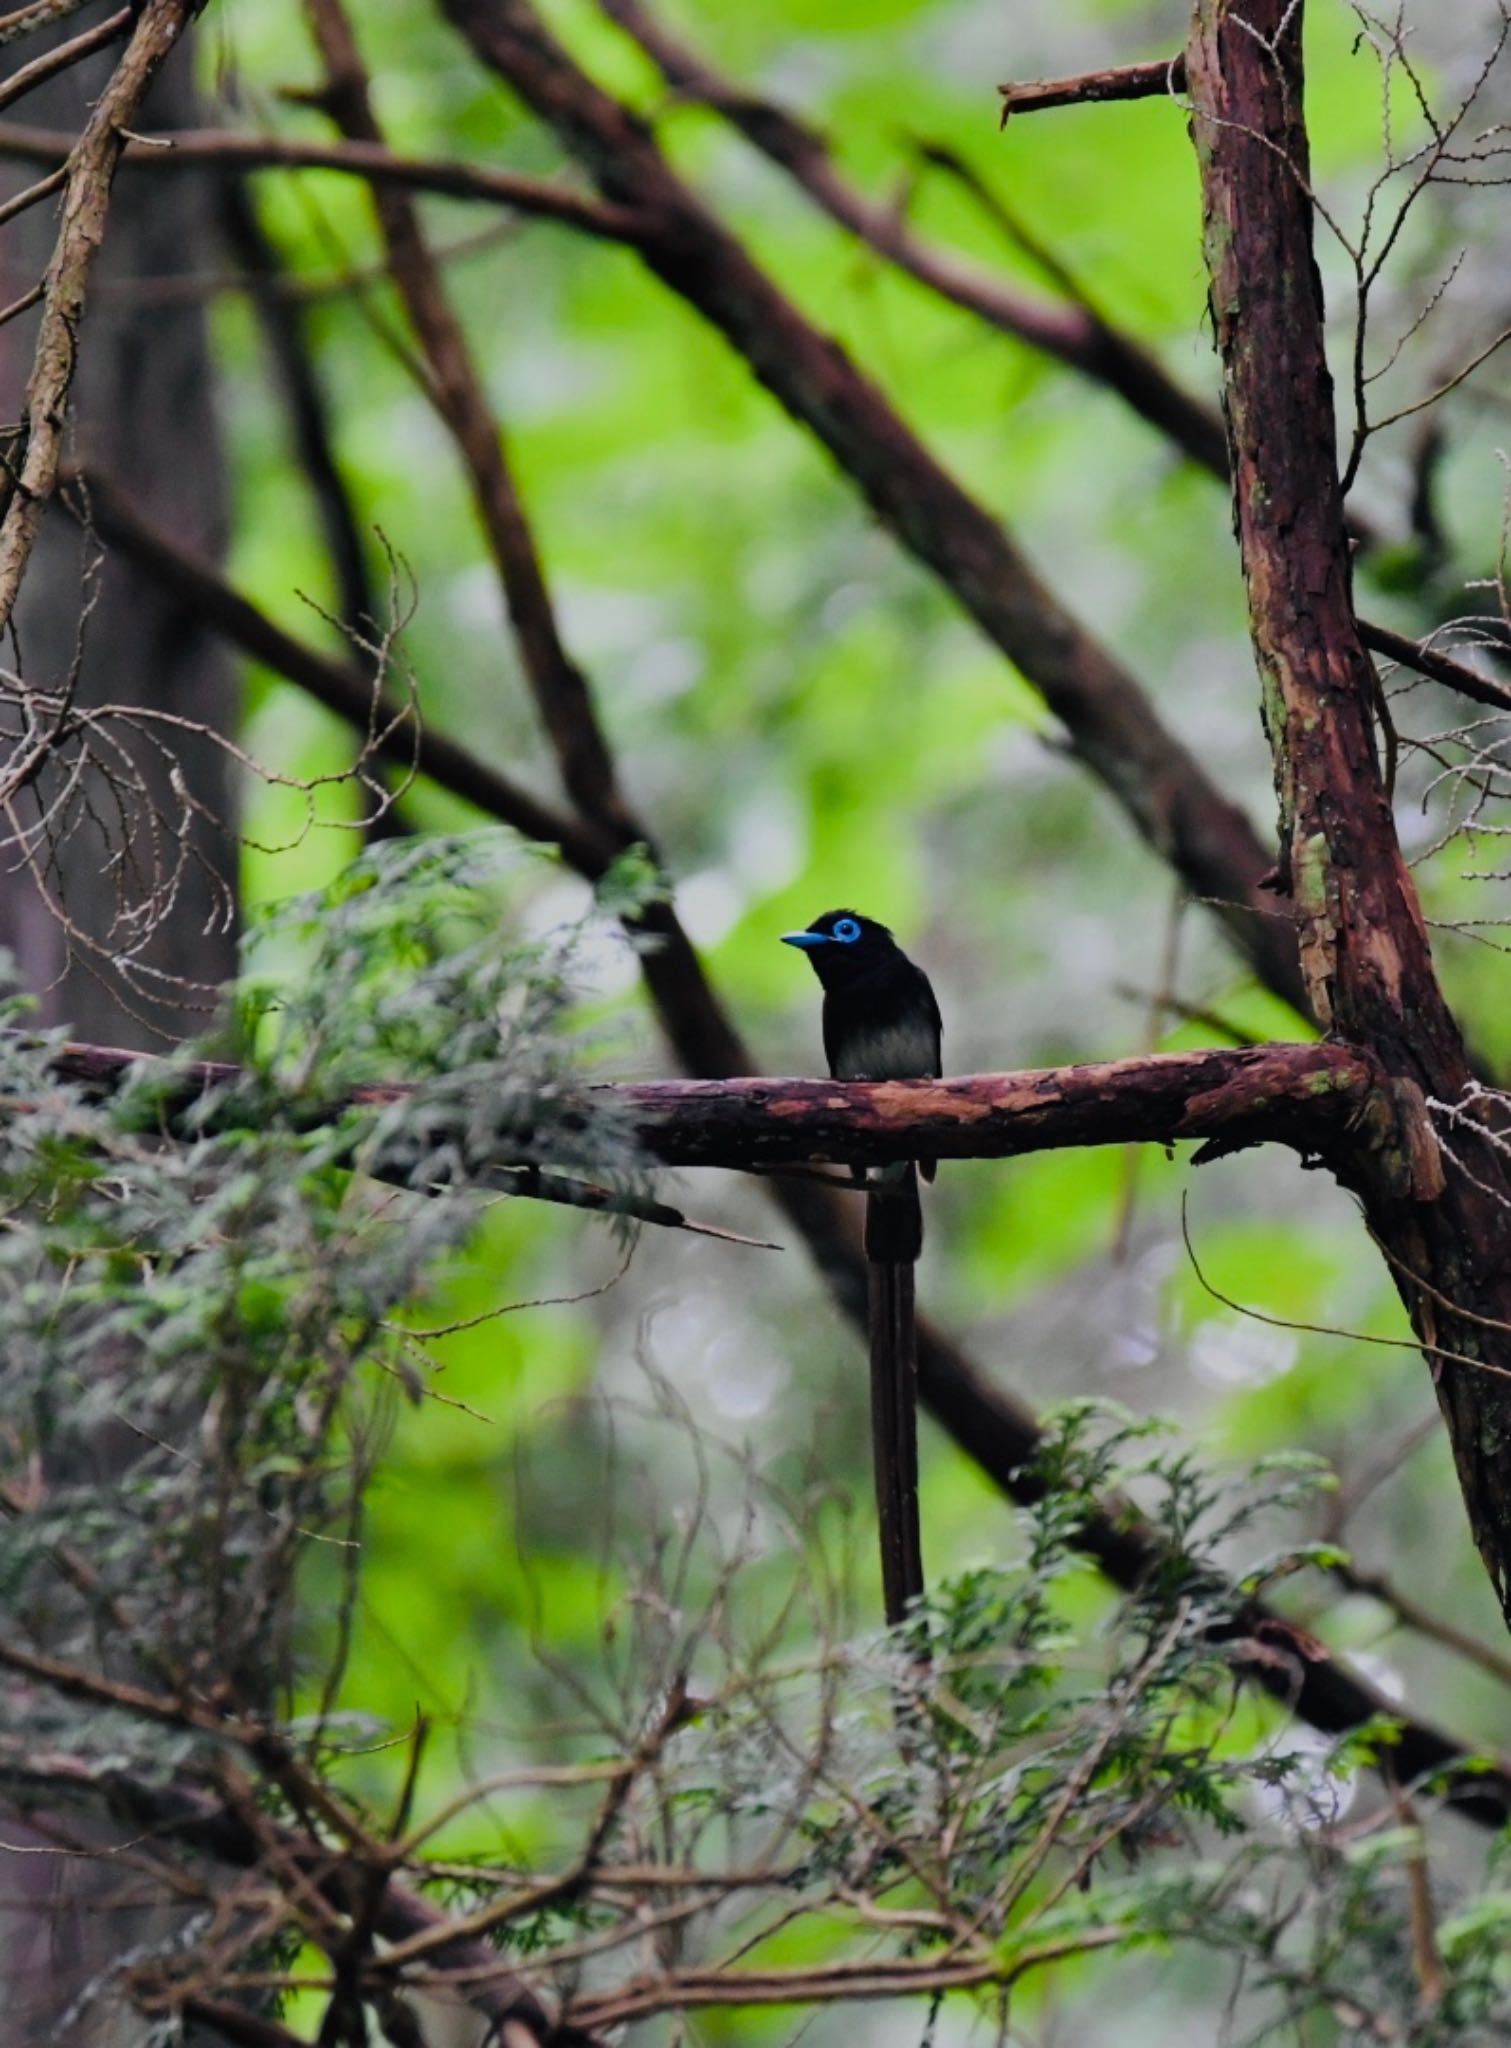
column 1165, row 76
column 1307, row 1096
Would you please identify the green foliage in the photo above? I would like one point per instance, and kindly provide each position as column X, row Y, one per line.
column 197, row 1338
column 203, row 1315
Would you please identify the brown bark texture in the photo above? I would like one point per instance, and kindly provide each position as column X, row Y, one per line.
column 1445, row 1228
column 1312, row 1097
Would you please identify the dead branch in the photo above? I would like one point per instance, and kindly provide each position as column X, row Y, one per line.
column 1165, row 77
column 180, row 1812
column 93, row 161
column 340, row 686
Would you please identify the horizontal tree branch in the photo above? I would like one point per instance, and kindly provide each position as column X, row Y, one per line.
column 1165, row 76
column 192, row 149
column 1294, row 1094
column 1302, row 1095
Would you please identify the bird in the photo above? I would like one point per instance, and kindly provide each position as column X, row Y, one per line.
column 881, row 1022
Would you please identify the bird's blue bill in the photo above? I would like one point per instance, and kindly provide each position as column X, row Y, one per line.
column 807, row 940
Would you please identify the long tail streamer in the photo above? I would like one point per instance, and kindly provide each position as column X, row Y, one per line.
column 894, row 1238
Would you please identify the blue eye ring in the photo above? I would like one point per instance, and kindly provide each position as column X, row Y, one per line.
column 847, row 931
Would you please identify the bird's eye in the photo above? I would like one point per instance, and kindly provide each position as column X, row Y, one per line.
column 847, row 930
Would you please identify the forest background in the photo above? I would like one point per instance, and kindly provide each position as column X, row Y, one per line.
column 591, row 1424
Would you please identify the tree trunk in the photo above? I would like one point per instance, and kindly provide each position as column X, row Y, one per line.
column 1443, row 1223
column 143, row 410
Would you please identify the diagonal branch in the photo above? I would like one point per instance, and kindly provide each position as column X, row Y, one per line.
column 700, row 1031
column 285, row 324
column 341, row 686
column 559, row 686
column 86, row 200
column 1113, row 727
column 1072, row 333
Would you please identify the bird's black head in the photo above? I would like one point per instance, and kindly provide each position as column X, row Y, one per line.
column 843, row 946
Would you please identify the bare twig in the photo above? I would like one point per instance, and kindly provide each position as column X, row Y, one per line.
column 340, row 686
column 1424, row 1620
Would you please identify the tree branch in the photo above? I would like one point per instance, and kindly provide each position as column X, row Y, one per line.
column 1072, row 333
column 1000, row 1433
column 191, row 149
column 395, row 734
column 1113, row 727
column 699, row 1030
column 1426, row 660
column 285, row 323
column 178, row 1812
column 1165, row 77
column 1301, row 1095
column 1296, row 1094
column 65, row 55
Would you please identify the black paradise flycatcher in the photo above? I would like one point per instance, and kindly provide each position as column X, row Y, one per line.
column 881, row 1023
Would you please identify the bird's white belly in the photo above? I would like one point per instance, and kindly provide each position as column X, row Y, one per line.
column 891, row 1052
